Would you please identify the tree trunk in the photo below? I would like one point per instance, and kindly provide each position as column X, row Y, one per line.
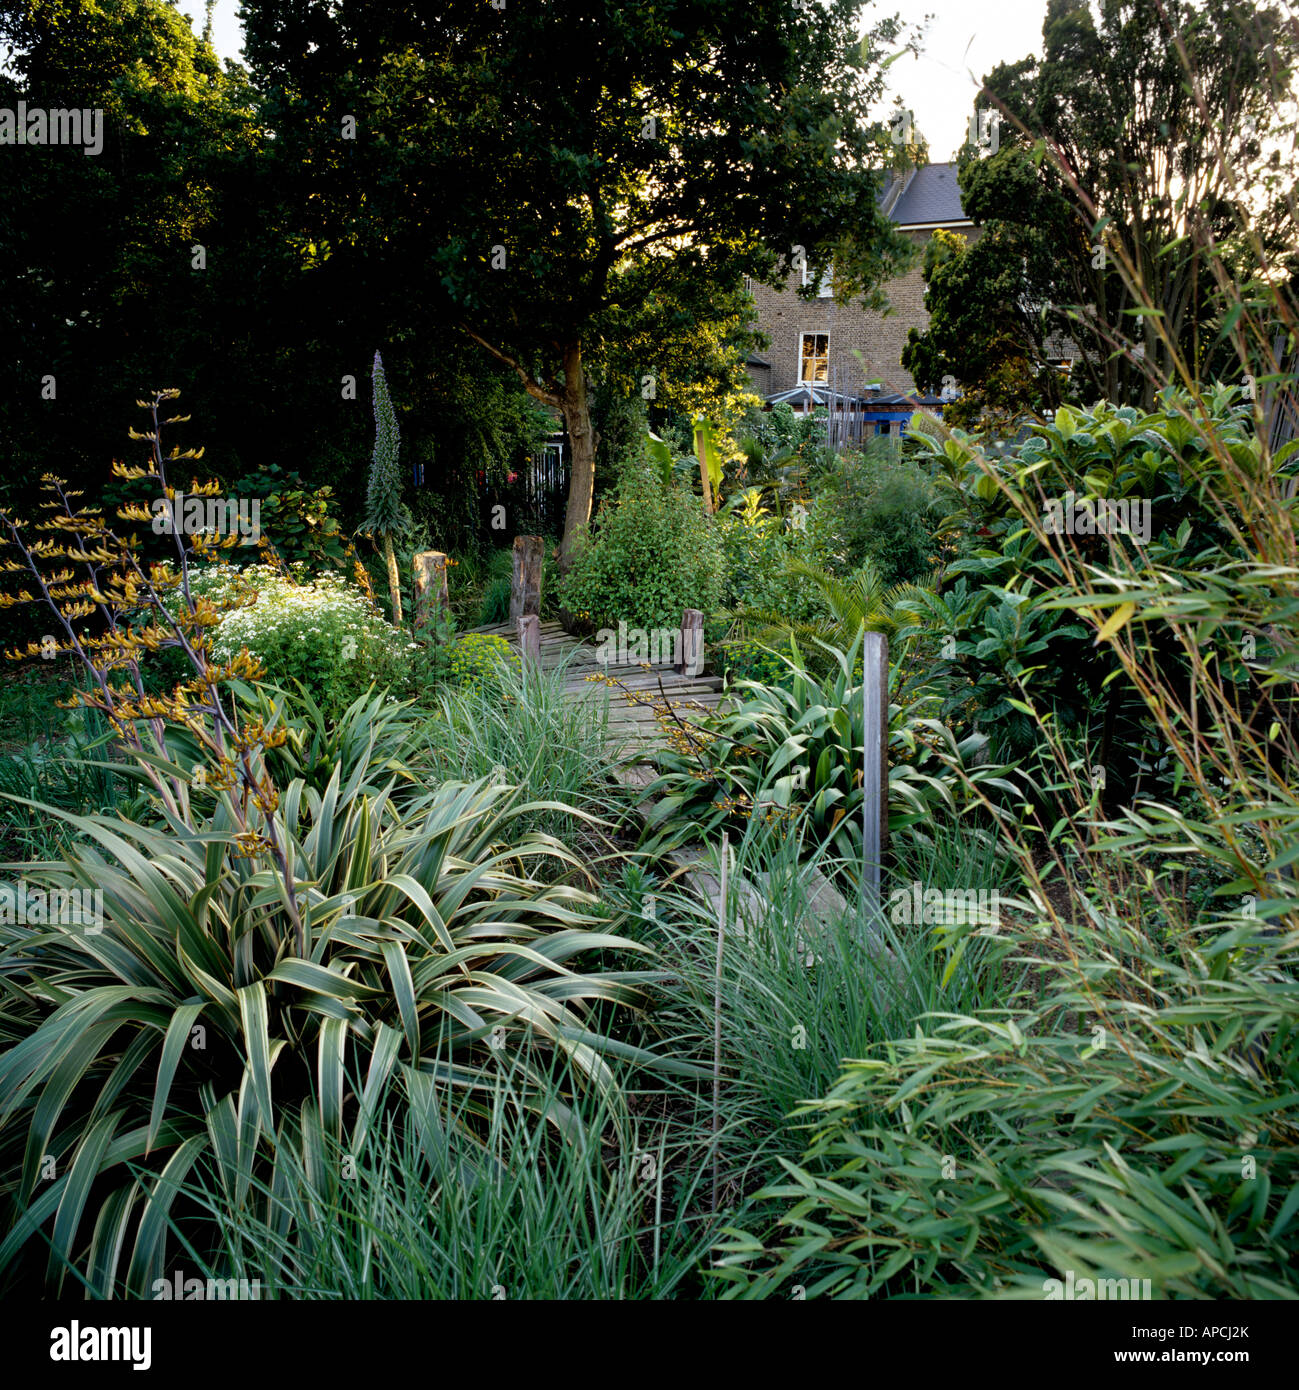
column 394, row 579
column 581, row 439
column 431, row 603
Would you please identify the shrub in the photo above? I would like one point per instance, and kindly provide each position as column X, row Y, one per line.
column 322, row 631
column 653, row 553
column 871, row 508
column 475, row 660
column 296, row 518
column 747, row 660
column 757, row 552
column 1121, row 1129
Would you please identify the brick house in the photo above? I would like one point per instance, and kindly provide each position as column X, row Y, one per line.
column 822, row 350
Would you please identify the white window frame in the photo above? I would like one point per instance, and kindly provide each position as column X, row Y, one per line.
column 813, row 333
column 825, row 286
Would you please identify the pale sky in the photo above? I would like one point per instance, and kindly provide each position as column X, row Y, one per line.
column 965, row 40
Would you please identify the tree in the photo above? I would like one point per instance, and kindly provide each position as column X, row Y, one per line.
column 538, row 172
column 984, row 331
column 386, row 515
column 1132, row 157
column 101, row 297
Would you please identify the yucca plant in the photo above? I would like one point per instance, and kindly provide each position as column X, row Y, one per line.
column 189, row 1026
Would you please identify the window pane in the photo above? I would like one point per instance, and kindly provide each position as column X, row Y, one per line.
column 815, row 357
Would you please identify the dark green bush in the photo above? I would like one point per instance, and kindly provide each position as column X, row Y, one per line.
column 874, row 509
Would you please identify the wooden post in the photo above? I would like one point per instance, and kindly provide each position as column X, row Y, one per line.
column 430, row 587
column 692, row 643
column 875, row 781
column 529, row 628
column 525, row 588
column 717, row 1007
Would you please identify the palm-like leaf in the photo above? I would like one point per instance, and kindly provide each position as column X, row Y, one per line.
column 860, row 603
column 440, row 942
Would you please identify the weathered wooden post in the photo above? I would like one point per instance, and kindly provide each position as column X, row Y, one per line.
column 525, row 588
column 430, row 587
column 875, row 782
column 692, row 643
column 529, row 629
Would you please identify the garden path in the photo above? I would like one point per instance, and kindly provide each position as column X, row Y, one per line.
column 634, row 690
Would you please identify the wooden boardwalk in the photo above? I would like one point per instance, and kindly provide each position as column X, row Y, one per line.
column 639, row 695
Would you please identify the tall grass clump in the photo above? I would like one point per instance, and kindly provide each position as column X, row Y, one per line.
column 517, row 728
column 807, row 978
column 607, row 1211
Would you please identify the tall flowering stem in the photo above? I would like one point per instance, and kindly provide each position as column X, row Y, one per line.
column 386, row 516
column 111, row 607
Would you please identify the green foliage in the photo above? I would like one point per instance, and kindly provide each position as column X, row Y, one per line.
column 781, row 431
column 1115, row 1128
column 496, row 601
column 295, row 518
column 1010, row 646
column 68, row 767
column 1098, row 142
column 980, row 335
column 598, row 290
column 872, row 508
column 517, row 727
column 189, row 1029
column 795, row 755
column 841, row 610
column 747, row 660
column 475, row 660
column 432, row 1214
column 653, row 552
column 792, row 952
column 757, row 548
column 322, row 631
column 375, row 734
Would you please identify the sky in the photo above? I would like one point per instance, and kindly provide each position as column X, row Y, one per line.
column 964, row 41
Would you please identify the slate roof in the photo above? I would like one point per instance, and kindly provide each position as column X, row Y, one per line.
column 930, row 194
